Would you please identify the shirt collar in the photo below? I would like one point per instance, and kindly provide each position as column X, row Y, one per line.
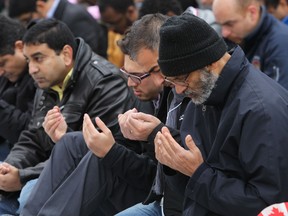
column 59, row 89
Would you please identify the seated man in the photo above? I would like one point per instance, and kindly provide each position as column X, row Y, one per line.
column 17, row 87
column 235, row 152
column 110, row 178
column 70, row 76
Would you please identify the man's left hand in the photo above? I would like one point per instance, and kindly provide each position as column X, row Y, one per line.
column 171, row 154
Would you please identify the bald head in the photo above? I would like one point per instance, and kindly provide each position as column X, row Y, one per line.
column 238, row 18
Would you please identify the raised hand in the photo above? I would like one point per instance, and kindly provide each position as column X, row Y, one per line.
column 54, row 124
column 137, row 125
column 170, row 153
column 98, row 142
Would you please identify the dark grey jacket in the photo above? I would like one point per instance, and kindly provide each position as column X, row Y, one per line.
column 242, row 134
column 96, row 87
column 266, row 48
column 82, row 24
column 16, row 103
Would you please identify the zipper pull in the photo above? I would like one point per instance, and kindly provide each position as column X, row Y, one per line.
column 203, row 108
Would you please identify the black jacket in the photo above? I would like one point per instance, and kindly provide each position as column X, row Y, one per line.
column 242, row 134
column 82, row 24
column 266, row 48
column 16, row 102
column 139, row 169
column 96, row 87
column 125, row 163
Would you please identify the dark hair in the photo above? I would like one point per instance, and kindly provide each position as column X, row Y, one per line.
column 54, row 33
column 144, row 33
column 160, row 6
column 118, row 5
column 17, row 8
column 10, row 31
column 271, row 3
column 187, row 3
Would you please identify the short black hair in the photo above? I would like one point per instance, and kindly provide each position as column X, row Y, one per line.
column 272, row 3
column 118, row 5
column 160, row 6
column 187, row 3
column 17, row 8
column 10, row 32
column 54, row 33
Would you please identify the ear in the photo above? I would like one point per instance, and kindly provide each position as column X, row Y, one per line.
column 132, row 13
column 253, row 11
column 19, row 45
column 67, row 53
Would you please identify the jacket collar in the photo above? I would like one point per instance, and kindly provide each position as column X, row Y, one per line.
column 255, row 36
column 225, row 81
column 82, row 58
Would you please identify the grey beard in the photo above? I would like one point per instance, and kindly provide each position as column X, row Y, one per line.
column 205, row 86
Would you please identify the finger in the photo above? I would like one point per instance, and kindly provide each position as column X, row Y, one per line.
column 102, row 126
column 54, row 126
column 171, row 146
column 85, row 127
column 143, row 116
column 89, row 125
column 190, row 143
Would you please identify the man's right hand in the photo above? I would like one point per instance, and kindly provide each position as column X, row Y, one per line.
column 54, row 124
column 137, row 125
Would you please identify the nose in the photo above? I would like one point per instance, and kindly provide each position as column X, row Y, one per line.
column 130, row 82
column 180, row 89
column 225, row 32
column 33, row 68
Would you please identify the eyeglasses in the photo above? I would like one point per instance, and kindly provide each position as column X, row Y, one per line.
column 181, row 82
column 136, row 77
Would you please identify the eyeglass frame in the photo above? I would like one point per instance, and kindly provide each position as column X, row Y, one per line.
column 137, row 79
column 181, row 83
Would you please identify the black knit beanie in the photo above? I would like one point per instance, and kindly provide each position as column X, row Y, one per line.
column 188, row 43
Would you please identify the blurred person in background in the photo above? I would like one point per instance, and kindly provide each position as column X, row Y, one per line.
column 278, row 8
column 17, row 87
column 167, row 7
column 78, row 19
column 262, row 37
column 116, row 16
column 24, row 11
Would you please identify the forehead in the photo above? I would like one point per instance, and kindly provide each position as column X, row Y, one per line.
column 227, row 13
column 33, row 49
column 131, row 66
column 7, row 57
column 147, row 57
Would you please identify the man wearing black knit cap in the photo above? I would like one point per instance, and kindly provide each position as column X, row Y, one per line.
column 235, row 152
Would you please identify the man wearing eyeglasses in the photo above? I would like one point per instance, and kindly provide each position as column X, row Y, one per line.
column 234, row 141
column 109, row 177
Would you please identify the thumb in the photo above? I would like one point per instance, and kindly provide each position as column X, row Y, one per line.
column 190, row 143
column 102, row 125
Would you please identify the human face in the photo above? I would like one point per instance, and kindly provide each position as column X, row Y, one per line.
column 46, row 66
column 12, row 66
column 236, row 23
column 280, row 11
column 197, row 85
column 152, row 85
column 43, row 6
column 116, row 21
column 25, row 18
